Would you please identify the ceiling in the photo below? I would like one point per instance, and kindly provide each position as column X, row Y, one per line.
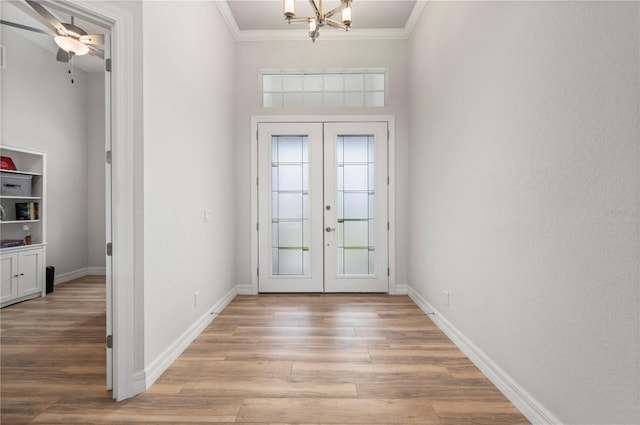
column 370, row 14
column 20, row 13
column 248, row 20
column 251, row 20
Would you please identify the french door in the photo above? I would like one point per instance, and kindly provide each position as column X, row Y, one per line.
column 322, row 207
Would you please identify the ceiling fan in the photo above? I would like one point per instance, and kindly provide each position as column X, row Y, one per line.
column 70, row 39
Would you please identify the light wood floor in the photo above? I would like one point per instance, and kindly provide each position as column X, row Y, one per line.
column 269, row 359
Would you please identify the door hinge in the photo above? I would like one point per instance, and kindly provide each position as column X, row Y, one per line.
column 257, row 271
column 257, row 180
column 109, row 249
column 388, row 180
column 388, row 136
column 257, row 227
column 109, row 341
column 388, row 271
column 107, row 64
column 108, row 157
column 388, row 226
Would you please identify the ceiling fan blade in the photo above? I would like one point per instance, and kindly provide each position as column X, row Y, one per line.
column 93, row 39
column 63, row 56
column 95, row 52
column 47, row 18
column 24, row 27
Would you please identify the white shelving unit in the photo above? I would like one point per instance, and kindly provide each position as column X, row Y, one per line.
column 23, row 267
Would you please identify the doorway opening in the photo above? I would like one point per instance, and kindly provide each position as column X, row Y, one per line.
column 121, row 364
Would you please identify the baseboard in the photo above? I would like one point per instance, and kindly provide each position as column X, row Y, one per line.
column 77, row 274
column 66, row 277
column 400, row 290
column 96, row 271
column 157, row 367
column 245, row 289
column 139, row 382
column 521, row 399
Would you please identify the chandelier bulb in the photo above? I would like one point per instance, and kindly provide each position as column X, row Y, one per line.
column 320, row 19
column 346, row 15
column 289, row 9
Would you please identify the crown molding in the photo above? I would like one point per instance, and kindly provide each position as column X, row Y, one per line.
column 225, row 11
column 414, row 17
column 297, row 35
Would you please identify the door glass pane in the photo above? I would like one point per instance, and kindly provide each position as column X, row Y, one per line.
column 290, row 205
column 356, row 196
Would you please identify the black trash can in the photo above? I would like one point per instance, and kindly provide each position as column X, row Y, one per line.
column 51, row 271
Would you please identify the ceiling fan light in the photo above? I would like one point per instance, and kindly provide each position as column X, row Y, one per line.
column 312, row 25
column 69, row 44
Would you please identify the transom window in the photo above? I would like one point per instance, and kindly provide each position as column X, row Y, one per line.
column 333, row 89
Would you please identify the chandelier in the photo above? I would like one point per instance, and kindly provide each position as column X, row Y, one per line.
column 320, row 19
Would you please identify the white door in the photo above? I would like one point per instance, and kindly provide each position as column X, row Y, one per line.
column 322, row 207
column 290, row 257
column 355, row 196
column 108, row 236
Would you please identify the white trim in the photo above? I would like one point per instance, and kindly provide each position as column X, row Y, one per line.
column 255, row 119
column 401, row 289
column 414, row 17
column 157, row 367
column 124, row 302
column 77, row 274
column 391, row 203
column 96, row 271
column 299, row 34
column 531, row 408
column 244, row 289
column 139, row 382
column 227, row 15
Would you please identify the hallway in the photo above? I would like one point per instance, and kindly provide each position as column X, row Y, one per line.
column 276, row 359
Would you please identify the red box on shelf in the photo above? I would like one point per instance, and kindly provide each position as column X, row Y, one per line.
column 6, row 163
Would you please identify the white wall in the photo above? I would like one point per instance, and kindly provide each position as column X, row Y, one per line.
column 252, row 57
column 525, row 193
column 42, row 110
column 188, row 107
column 95, row 171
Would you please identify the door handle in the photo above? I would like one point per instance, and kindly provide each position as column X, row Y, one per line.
column 330, row 229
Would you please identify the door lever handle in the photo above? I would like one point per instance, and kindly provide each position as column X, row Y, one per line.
column 330, row 229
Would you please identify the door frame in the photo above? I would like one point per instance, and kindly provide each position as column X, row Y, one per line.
column 127, row 299
column 256, row 119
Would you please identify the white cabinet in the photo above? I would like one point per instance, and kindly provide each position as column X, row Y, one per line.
column 22, row 275
column 22, row 224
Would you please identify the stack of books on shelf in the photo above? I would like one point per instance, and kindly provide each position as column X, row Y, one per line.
column 8, row 243
column 27, row 211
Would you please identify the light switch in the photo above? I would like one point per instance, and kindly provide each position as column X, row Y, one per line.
column 208, row 215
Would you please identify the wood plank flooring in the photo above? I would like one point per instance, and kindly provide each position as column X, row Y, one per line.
column 268, row 359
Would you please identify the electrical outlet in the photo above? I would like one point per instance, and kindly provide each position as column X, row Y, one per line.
column 446, row 298
column 208, row 215
column 196, row 301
